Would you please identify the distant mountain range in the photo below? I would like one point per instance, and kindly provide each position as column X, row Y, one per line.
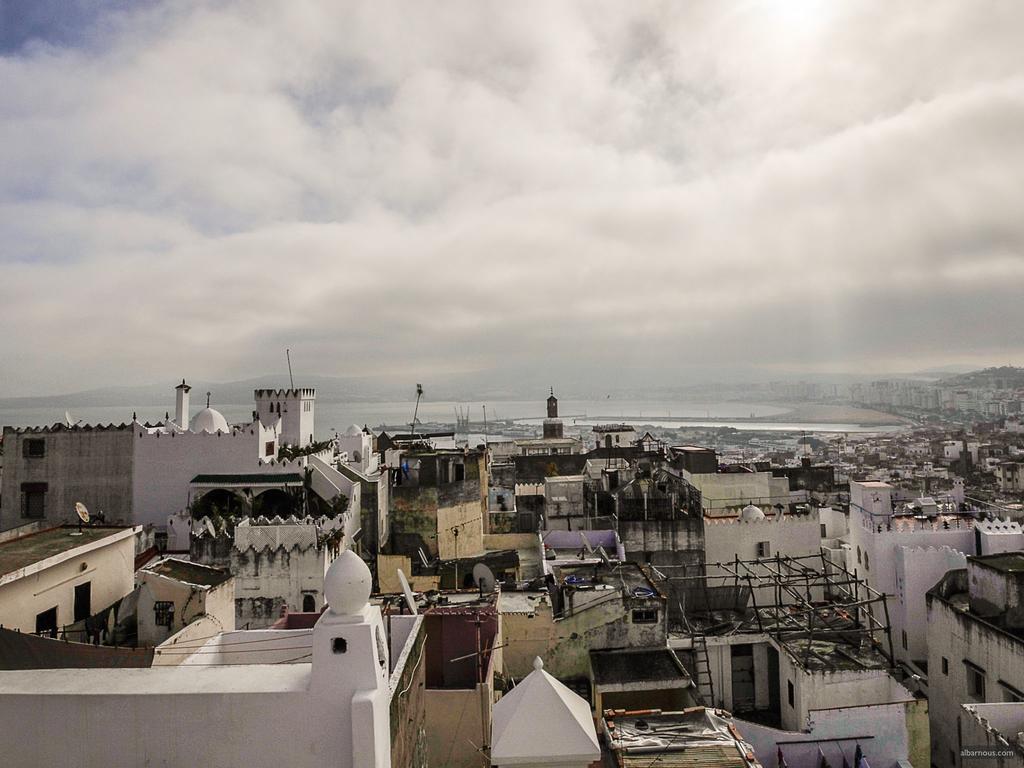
column 493, row 385
column 1001, row 377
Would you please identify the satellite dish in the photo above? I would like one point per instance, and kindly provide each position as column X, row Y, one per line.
column 483, row 577
column 586, row 543
column 83, row 513
column 410, row 599
column 209, row 527
column 604, row 556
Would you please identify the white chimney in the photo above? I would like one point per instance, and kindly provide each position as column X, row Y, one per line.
column 181, row 404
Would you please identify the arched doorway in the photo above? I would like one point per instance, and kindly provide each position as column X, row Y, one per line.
column 275, row 501
column 218, row 502
column 308, row 604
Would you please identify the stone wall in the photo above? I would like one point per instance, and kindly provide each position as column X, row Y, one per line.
column 92, row 465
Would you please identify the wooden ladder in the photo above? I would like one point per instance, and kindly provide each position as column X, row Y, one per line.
column 702, row 680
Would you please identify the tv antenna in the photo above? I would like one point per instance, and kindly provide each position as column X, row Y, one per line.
column 288, row 357
column 416, row 410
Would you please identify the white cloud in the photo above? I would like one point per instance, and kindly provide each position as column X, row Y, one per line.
column 402, row 187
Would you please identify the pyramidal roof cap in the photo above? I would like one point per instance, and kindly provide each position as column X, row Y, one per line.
column 542, row 721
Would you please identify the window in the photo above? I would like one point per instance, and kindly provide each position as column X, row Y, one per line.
column 867, row 562
column 975, row 681
column 904, row 639
column 460, row 473
column 83, row 601
column 789, row 691
column 163, row 613
column 33, row 500
column 645, row 616
column 945, row 665
column 824, row 531
column 1011, row 693
column 46, row 622
column 858, row 554
column 952, row 757
column 764, row 549
column 34, row 448
column 268, row 449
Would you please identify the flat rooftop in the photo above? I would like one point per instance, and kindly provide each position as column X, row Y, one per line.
column 189, row 572
column 1007, row 562
column 26, row 550
column 640, row 665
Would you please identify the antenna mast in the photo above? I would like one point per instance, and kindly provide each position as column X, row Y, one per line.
column 288, row 357
column 419, row 394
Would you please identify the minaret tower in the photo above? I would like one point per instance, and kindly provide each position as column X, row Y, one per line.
column 553, row 428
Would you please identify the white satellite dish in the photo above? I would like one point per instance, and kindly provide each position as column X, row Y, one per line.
column 83, row 517
column 209, row 528
column 410, row 599
column 83, row 513
column 586, row 543
column 483, row 577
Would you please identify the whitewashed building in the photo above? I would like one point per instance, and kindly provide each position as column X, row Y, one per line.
column 303, row 698
column 51, row 579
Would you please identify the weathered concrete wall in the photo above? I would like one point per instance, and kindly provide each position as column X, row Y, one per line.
column 887, row 733
column 408, row 708
column 663, row 542
column 92, row 465
column 995, row 727
column 818, row 689
column 453, row 726
column 565, row 643
column 424, row 516
column 190, row 602
column 958, row 637
column 268, row 580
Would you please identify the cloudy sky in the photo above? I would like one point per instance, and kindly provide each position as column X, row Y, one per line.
column 679, row 188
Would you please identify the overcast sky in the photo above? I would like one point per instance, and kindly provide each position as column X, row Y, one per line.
column 680, row 188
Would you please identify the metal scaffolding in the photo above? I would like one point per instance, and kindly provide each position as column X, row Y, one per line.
column 799, row 601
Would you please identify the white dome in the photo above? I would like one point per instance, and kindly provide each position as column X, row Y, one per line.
column 751, row 513
column 354, row 431
column 347, row 584
column 209, row 420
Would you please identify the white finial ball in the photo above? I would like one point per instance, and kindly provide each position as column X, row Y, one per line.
column 538, row 663
column 347, row 584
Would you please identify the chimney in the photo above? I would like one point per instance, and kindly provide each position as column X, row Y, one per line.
column 181, row 404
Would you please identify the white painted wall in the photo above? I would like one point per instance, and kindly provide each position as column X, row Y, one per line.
column 954, row 635
column 918, row 569
column 164, row 465
column 794, row 535
column 331, row 712
column 109, row 564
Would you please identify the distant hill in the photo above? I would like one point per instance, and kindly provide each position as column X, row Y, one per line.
column 1002, row 377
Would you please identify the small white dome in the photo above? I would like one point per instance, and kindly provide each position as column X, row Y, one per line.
column 347, row 584
column 209, row 420
column 751, row 513
column 354, row 431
